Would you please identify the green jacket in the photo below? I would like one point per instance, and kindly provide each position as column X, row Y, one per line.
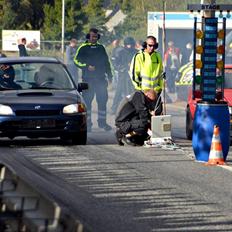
column 146, row 70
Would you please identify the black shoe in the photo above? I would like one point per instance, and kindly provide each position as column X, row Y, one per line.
column 128, row 141
column 106, row 127
column 119, row 137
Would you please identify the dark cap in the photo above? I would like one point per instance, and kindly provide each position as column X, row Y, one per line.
column 129, row 41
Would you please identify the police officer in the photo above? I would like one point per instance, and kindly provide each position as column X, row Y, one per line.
column 92, row 58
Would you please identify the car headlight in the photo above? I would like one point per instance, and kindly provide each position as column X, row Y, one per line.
column 6, row 110
column 74, row 108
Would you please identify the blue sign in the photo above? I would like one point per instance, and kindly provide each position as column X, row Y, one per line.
column 178, row 16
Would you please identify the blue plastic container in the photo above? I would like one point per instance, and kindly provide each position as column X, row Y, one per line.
column 206, row 116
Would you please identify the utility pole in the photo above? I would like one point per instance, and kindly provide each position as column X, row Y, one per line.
column 163, row 52
column 164, row 28
column 63, row 30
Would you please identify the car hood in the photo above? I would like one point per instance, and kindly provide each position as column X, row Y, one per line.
column 62, row 97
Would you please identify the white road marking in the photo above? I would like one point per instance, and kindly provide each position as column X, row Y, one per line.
column 227, row 167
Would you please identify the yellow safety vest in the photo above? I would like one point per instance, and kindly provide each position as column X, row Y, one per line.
column 185, row 75
column 145, row 71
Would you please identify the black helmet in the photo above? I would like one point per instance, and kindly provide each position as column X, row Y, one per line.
column 129, row 41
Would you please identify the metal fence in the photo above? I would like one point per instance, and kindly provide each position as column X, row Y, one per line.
column 47, row 48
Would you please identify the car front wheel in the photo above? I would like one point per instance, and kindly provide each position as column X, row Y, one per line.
column 79, row 138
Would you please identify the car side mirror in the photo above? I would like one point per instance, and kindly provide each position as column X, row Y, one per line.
column 82, row 86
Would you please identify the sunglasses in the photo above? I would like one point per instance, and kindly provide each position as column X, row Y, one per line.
column 151, row 45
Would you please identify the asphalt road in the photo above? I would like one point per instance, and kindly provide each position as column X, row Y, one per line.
column 127, row 189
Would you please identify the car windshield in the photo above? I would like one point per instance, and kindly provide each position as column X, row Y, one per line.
column 34, row 76
column 228, row 78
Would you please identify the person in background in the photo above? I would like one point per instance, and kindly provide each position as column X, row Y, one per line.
column 114, row 55
column 187, row 56
column 139, row 44
column 71, row 50
column 133, row 117
column 147, row 68
column 2, row 55
column 7, row 76
column 92, row 58
column 172, row 62
column 22, row 47
column 122, row 63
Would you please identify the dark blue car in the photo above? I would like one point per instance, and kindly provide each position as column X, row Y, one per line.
column 38, row 98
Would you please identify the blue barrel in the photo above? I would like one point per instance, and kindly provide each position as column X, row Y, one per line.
column 206, row 116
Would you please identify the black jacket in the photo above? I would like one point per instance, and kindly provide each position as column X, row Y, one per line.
column 135, row 106
column 22, row 50
column 123, row 59
column 94, row 55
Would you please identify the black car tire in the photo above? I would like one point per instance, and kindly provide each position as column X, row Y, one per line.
column 79, row 138
column 189, row 124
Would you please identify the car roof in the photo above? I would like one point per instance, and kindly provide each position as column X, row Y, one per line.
column 30, row 59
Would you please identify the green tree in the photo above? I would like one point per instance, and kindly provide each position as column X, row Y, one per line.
column 96, row 15
column 52, row 22
column 22, row 14
column 95, row 11
column 75, row 19
column 134, row 23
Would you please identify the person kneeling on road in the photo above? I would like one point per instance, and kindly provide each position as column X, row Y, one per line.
column 133, row 117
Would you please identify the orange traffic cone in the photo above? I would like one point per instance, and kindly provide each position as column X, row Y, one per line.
column 216, row 154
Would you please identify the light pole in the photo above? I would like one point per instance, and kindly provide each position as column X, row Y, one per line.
column 164, row 28
column 163, row 52
column 63, row 19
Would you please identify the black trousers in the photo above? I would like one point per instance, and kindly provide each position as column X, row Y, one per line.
column 137, row 125
column 124, row 87
column 98, row 88
column 171, row 76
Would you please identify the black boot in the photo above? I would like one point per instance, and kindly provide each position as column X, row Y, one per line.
column 119, row 137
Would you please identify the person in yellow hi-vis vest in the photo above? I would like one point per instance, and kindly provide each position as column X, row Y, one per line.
column 147, row 67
